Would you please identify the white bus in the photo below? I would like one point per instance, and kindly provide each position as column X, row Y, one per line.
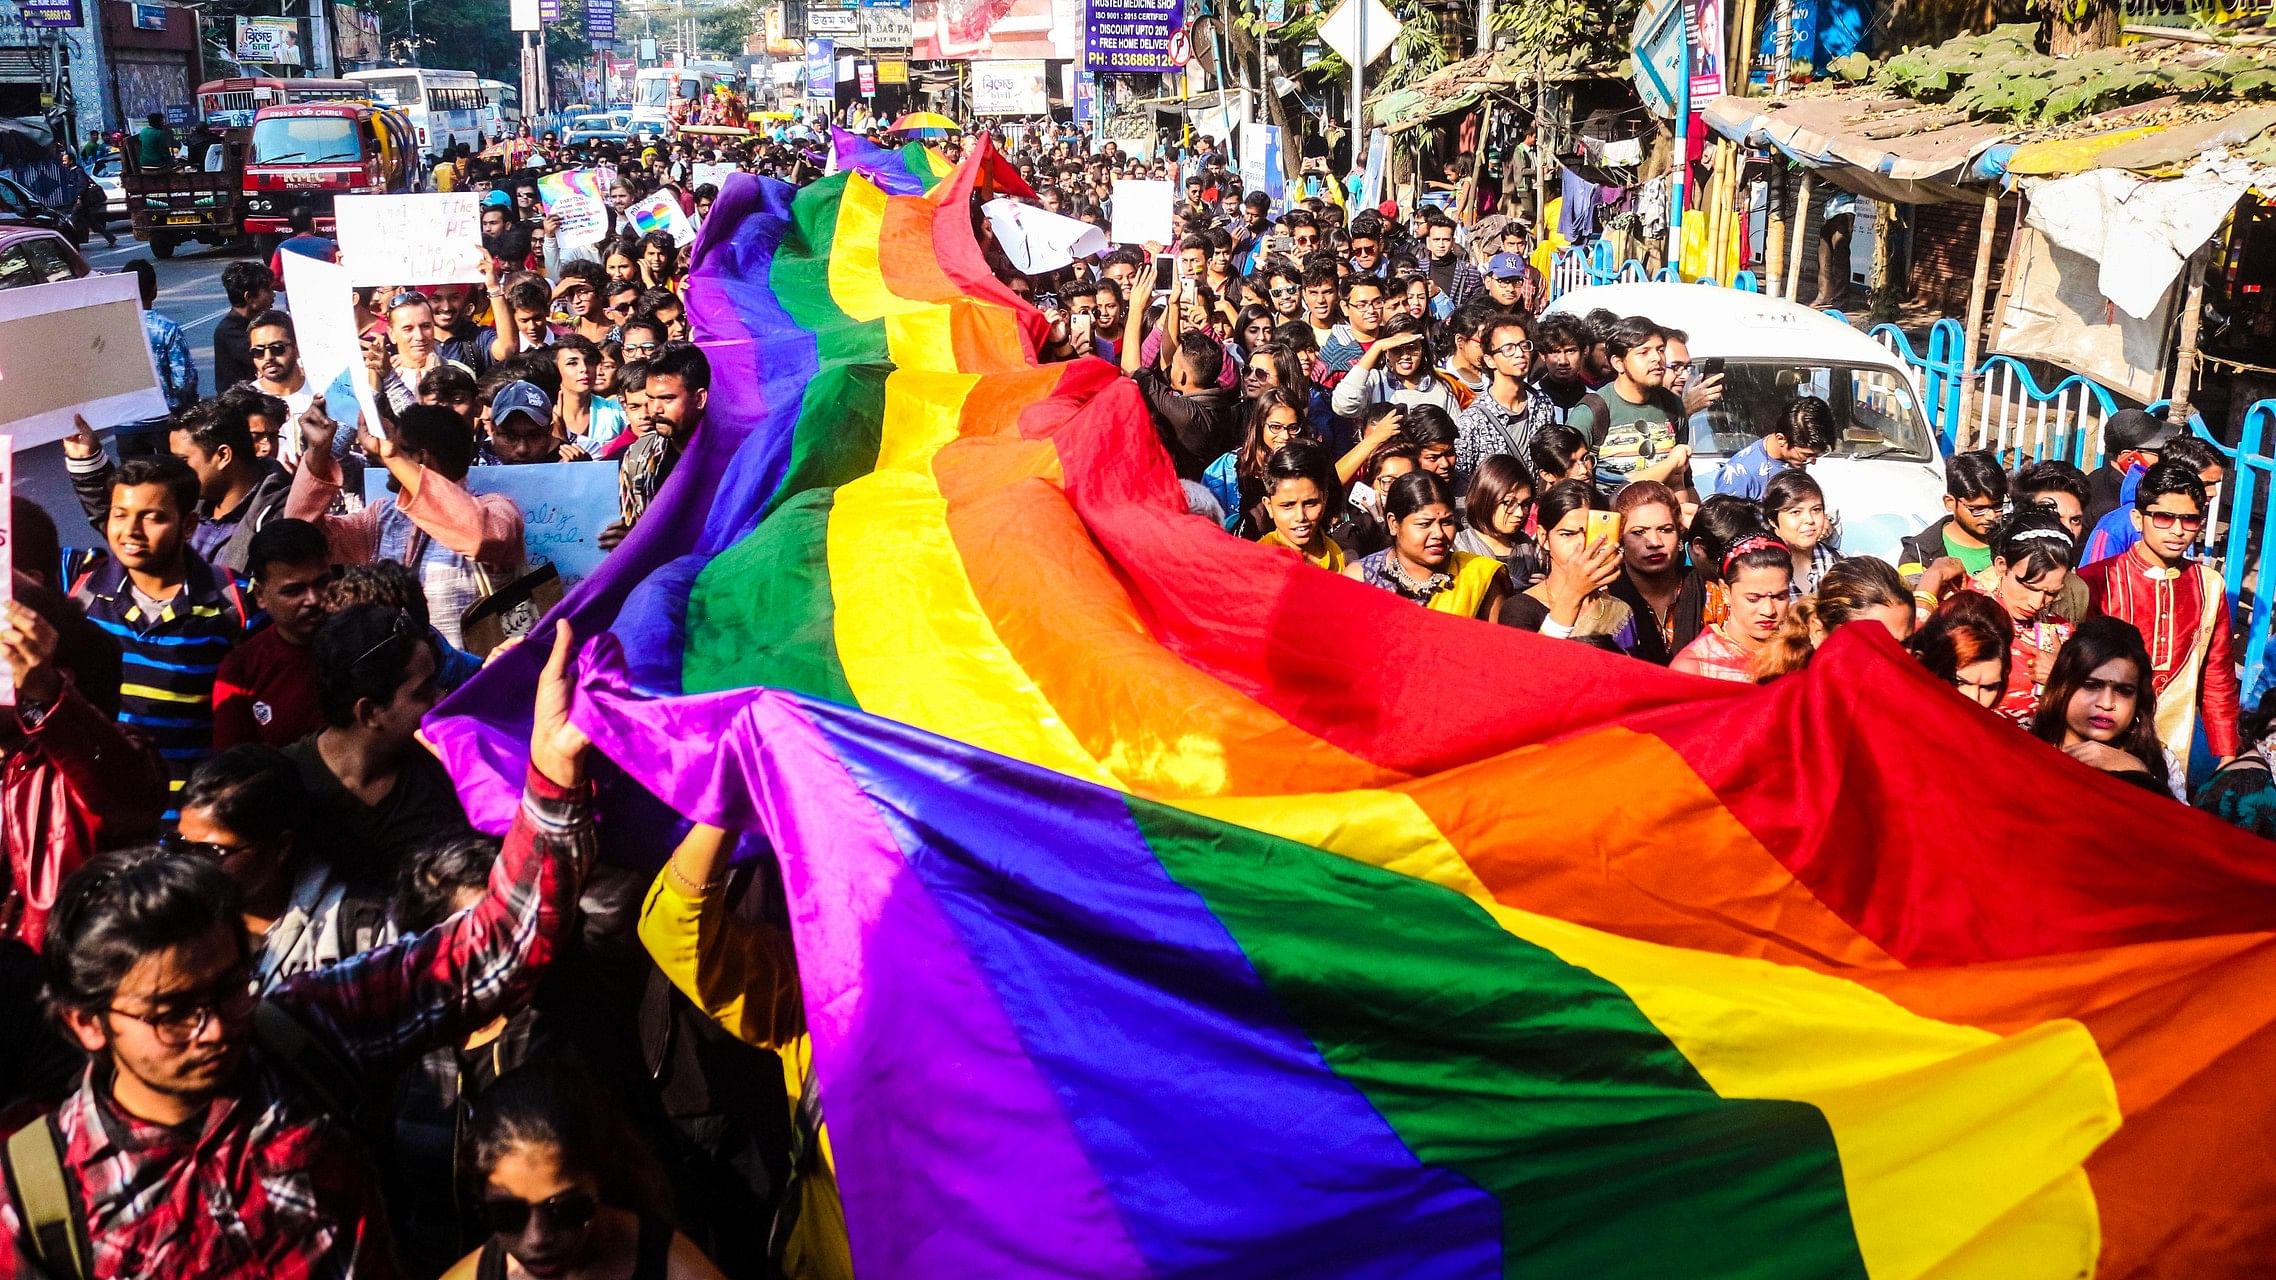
column 445, row 107
column 653, row 89
column 501, row 107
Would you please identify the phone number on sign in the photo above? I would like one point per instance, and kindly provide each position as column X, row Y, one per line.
column 1137, row 59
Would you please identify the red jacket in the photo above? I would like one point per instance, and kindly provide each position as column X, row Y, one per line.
column 72, row 785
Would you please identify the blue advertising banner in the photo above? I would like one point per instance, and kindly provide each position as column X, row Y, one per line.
column 50, row 13
column 1130, row 37
column 821, row 68
column 600, row 19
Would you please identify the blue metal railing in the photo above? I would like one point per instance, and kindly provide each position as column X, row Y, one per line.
column 2250, row 540
column 1578, row 267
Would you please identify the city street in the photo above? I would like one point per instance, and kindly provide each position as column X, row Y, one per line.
column 189, row 294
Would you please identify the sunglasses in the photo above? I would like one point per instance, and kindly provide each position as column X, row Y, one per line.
column 260, row 349
column 2167, row 519
column 409, row 298
column 631, row 347
column 403, row 629
column 569, row 1211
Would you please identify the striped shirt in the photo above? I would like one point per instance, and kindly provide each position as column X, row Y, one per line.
column 168, row 658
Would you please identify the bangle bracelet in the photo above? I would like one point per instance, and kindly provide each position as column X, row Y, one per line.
column 672, row 865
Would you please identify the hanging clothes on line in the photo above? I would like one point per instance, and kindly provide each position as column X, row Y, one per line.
column 1578, row 221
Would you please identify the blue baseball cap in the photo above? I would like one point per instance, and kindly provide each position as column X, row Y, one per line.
column 523, row 398
column 1506, row 266
column 497, row 200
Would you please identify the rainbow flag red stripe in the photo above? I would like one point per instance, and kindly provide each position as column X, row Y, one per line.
column 1166, row 906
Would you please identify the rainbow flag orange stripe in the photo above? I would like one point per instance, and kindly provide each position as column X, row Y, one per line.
column 1166, row 906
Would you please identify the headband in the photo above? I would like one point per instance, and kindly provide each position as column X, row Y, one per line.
column 1751, row 542
column 2029, row 535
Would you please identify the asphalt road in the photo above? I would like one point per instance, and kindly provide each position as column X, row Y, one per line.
column 189, row 294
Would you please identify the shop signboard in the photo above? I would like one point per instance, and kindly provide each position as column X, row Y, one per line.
column 885, row 28
column 1131, row 37
column 50, row 13
column 275, row 41
column 1015, row 87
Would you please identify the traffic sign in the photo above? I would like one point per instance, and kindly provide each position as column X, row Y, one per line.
column 1657, row 48
column 1181, row 47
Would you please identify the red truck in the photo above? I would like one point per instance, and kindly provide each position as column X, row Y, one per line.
column 308, row 154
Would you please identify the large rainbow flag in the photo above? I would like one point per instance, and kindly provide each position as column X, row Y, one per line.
column 1166, row 907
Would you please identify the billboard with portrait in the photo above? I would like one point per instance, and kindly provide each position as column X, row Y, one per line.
column 981, row 30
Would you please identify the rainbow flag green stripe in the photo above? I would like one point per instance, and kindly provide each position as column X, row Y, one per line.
column 1536, row 1080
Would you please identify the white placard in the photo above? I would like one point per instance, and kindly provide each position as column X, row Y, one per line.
column 660, row 212
column 324, row 327
column 75, row 348
column 578, row 199
column 714, row 173
column 1143, row 212
column 411, row 239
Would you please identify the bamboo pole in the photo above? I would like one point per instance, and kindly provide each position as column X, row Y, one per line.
column 2185, row 359
column 1980, row 285
column 1542, row 151
column 1801, row 235
column 1467, row 215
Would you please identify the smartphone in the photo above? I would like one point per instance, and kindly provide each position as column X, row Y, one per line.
column 1165, row 268
column 1047, row 303
column 1603, row 526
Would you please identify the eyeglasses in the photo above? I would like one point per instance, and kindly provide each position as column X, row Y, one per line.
column 631, row 347
column 1372, row 304
column 1285, row 291
column 2167, row 519
column 569, row 1211
column 1514, row 349
column 179, row 1025
column 403, row 629
column 260, row 349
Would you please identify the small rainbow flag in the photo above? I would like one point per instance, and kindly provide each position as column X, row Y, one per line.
column 1167, row 907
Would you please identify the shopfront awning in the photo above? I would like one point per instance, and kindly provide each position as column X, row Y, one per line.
column 1873, row 144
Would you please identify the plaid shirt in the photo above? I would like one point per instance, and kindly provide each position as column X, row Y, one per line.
column 267, row 1183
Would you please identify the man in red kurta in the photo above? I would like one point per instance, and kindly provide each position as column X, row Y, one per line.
column 2181, row 609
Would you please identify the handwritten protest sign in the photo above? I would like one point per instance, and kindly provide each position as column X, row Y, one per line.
column 580, row 201
column 565, row 505
column 74, row 348
column 324, row 324
column 713, row 173
column 661, row 212
column 1142, row 212
column 414, row 239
